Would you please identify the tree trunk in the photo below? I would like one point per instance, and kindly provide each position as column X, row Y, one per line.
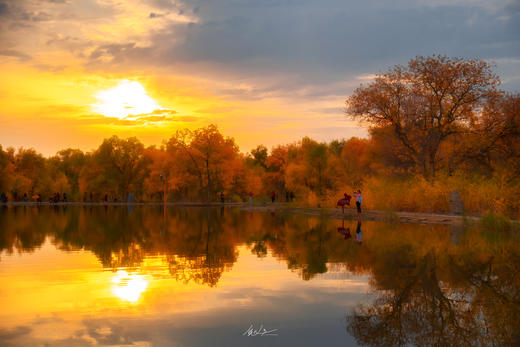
column 209, row 179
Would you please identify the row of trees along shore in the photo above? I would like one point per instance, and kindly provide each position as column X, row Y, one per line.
column 435, row 124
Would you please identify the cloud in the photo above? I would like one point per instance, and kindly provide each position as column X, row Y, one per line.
column 8, row 336
column 157, row 117
column 3, row 8
column 258, row 58
column 366, row 77
column 16, row 54
column 252, row 41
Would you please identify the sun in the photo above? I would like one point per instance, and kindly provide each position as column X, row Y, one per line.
column 126, row 99
column 128, row 287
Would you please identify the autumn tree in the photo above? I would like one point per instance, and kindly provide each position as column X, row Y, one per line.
column 30, row 173
column 5, row 169
column 259, row 155
column 117, row 166
column 161, row 177
column 425, row 103
column 208, row 160
column 68, row 163
column 494, row 139
column 276, row 166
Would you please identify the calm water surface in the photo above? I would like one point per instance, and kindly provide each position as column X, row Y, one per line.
column 81, row 276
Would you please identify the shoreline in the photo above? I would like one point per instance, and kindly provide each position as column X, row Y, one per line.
column 335, row 213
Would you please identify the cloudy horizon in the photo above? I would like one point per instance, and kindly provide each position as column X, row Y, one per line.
column 264, row 71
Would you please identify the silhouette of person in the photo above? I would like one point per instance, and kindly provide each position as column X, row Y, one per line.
column 359, row 199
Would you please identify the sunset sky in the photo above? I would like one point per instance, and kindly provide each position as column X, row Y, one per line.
column 265, row 71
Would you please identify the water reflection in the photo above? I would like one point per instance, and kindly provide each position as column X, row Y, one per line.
column 454, row 296
column 426, row 288
column 127, row 286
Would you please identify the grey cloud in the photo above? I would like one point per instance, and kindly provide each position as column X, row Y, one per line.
column 155, row 15
column 21, row 25
column 8, row 337
column 303, row 48
column 115, row 52
column 300, row 43
column 4, row 9
column 51, row 68
column 14, row 53
column 41, row 17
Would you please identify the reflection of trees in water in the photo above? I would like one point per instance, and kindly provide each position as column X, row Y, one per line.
column 209, row 255
column 469, row 298
column 201, row 270
column 303, row 243
column 199, row 249
column 430, row 290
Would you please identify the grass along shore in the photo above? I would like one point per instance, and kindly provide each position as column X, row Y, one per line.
column 336, row 213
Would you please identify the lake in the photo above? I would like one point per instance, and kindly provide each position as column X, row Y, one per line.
column 145, row 276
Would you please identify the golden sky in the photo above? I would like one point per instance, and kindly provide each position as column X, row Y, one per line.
column 75, row 72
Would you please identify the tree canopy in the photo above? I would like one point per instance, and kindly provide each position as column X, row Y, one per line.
column 426, row 103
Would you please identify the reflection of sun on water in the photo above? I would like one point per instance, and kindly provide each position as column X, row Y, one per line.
column 128, row 287
column 127, row 98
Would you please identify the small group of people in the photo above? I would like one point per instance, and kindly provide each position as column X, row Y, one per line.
column 289, row 196
column 345, row 201
column 57, row 197
column 5, row 199
column 91, row 196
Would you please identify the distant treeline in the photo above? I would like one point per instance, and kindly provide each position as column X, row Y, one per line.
column 436, row 124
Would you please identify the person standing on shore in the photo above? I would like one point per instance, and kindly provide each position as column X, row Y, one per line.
column 273, row 196
column 359, row 199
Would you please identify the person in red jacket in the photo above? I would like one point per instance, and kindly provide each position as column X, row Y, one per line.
column 344, row 201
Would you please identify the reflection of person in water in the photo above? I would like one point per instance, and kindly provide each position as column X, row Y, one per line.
column 344, row 231
column 359, row 235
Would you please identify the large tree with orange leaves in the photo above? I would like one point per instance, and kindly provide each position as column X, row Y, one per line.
column 426, row 103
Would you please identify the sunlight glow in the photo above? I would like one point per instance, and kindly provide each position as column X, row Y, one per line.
column 128, row 287
column 127, row 98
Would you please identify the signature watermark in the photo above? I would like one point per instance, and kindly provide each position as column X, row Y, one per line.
column 261, row 331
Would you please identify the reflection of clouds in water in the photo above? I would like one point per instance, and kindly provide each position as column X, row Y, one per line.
column 304, row 317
